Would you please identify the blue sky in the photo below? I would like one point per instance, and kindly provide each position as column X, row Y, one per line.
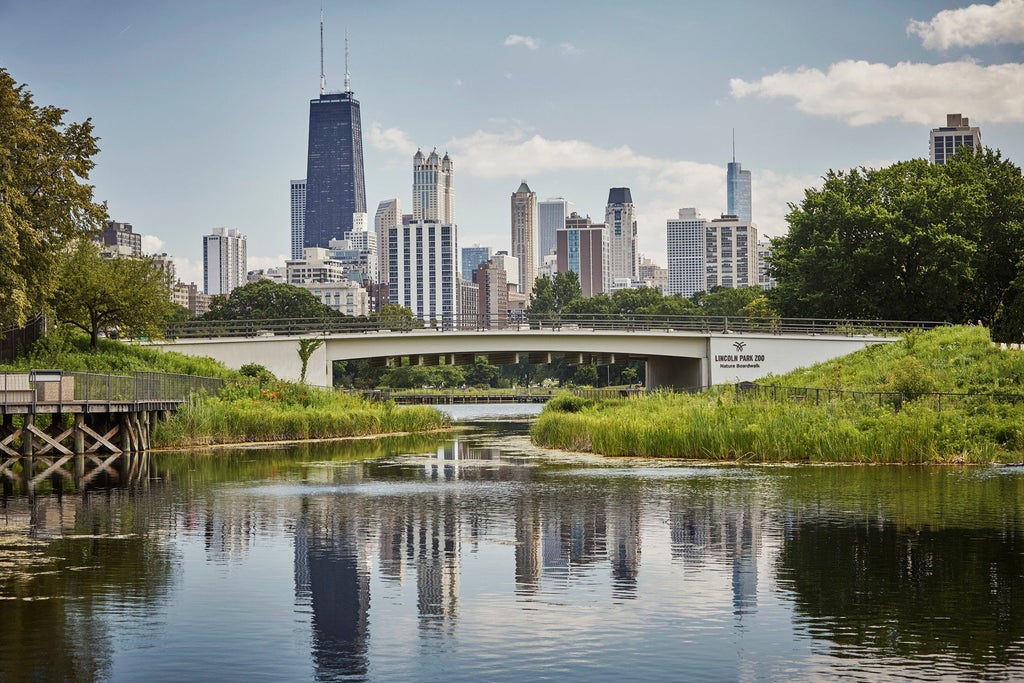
column 202, row 107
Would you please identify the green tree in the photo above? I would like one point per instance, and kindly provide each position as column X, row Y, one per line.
column 586, row 375
column 728, row 301
column 912, row 241
column 481, row 373
column 396, row 317
column 131, row 295
column 44, row 198
column 551, row 296
column 267, row 300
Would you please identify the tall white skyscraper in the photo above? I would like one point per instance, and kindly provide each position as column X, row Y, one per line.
column 224, row 260
column 730, row 249
column 945, row 141
column 424, row 270
column 298, row 202
column 686, row 252
column 524, row 236
column 620, row 219
column 389, row 214
column 433, row 189
column 551, row 215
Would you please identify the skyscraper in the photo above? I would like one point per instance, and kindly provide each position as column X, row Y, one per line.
column 738, row 190
column 730, row 249
column 583, row 248
column 686, row 253
column 424, row 273
column 335, row 187
column 389, row 214
column 945, row 141
column 524, row 236
column 298, row 202
column 433, row 189
column 551, row 215
column 620, row 219
column 473, row 257
column 224, row 260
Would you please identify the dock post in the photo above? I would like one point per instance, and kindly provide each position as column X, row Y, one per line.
column 26, row 435
column 79, row 433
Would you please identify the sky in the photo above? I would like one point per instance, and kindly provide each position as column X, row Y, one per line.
column 202, row 106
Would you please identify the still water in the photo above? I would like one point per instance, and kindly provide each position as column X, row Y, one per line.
column 482, row 558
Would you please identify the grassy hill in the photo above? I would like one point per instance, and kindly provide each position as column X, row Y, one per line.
column 723, row 424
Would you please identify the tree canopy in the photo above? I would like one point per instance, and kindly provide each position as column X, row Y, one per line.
column 45, row 202
column 913, row 241
column 131, row 295
column 267, row 300
column 551, row 295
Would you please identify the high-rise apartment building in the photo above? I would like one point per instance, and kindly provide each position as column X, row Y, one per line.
column 583, row 248
column 119, row 239
column 424, row 270
column 620, row 219
column 686, row 253
column 492, row 293
column 433, row 188
column 224, row 261
column 730, row 248
column 764, row 253
column 738, row 191
column 654, row 275
column 298, row 207
column 510, row 264
column 945, row 141
column 335, row 186
column 389, row 214
column 473, row 257
column 551, row 215
column 524, row 235
column 316, row 266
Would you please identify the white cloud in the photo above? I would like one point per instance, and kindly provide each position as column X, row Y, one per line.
column 513, row 39
column 862, row 93
column 265, row 262
column 151, row 244
column 570, row 49
column 391, row 139
column 189, row 271
column 1002, row 22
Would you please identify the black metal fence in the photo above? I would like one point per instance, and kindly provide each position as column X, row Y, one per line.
column 893, row 399
column 566, row 322
column 13, row 342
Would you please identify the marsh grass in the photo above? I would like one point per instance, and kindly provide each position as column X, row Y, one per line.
column 284, row 411
column 722, row 425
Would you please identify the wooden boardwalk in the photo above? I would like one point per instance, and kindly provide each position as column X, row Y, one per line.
column 47, row 416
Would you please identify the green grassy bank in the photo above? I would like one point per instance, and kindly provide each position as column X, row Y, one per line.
column 909, row 424
column 244, row 410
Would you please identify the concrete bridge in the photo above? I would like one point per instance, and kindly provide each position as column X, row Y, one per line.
column 680, row 354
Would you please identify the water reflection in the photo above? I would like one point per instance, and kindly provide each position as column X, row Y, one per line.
column 445, row 558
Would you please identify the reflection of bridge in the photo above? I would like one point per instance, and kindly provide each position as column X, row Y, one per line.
column 684, row 352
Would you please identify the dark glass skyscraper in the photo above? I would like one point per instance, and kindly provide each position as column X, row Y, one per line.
column 335, row 188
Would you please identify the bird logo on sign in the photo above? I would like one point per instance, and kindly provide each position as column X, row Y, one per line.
column 739, row 346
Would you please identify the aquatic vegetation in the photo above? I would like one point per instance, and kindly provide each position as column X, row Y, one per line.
column 825, row 426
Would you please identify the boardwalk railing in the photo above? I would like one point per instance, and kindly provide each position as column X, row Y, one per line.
column 894, row 399
column 35, row 387
column 563, row 323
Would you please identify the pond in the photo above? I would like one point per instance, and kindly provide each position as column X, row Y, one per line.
column 481, row 557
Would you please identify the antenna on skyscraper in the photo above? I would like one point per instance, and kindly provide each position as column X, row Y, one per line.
column 348, row 76
column 734, row 145
column 323, row 78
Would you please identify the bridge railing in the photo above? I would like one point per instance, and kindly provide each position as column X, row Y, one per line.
column 563, row 323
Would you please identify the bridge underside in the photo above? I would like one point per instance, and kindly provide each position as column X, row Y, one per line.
column 680, row 360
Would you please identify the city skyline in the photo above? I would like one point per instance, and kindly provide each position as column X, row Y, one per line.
column 161, row 82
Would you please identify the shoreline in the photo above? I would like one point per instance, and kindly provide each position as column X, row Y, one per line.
column 220, row 445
